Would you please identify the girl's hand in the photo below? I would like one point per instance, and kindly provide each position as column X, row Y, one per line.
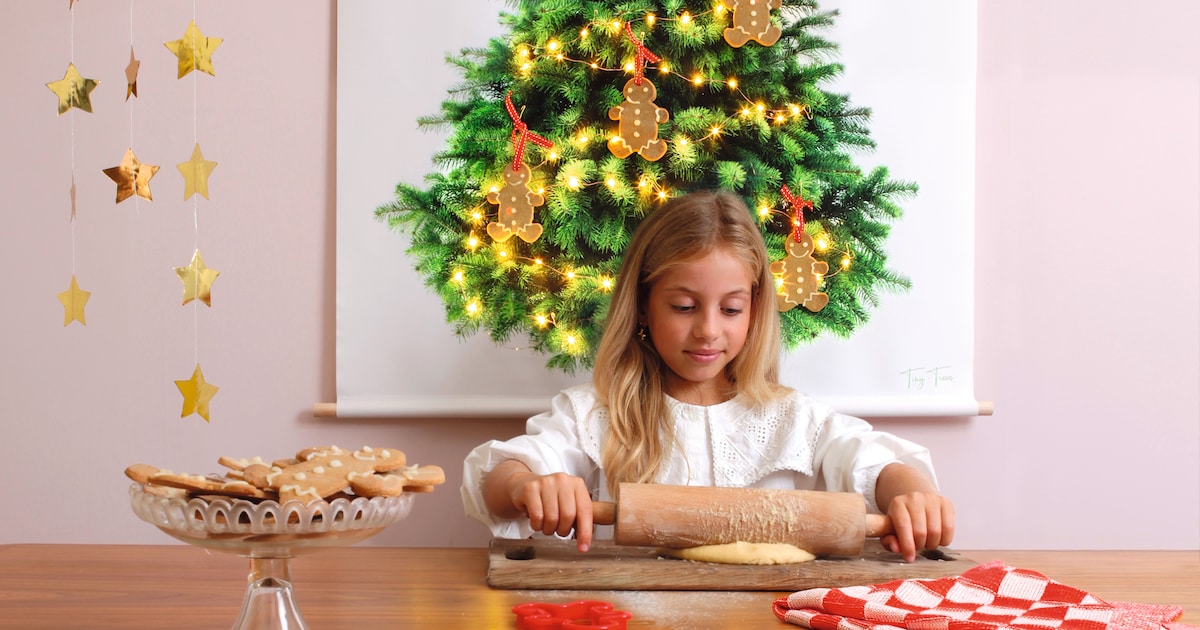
column 920, row 520
column 555, row 504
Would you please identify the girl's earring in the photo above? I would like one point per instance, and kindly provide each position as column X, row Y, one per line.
column 641, row 333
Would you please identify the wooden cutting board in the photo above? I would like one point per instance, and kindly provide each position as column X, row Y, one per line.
column 556, row 564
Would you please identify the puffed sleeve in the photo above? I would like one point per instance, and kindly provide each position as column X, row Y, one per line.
column 551, row 444
column 850, row 455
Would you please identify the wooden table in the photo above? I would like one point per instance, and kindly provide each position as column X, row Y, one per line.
column 177, row 586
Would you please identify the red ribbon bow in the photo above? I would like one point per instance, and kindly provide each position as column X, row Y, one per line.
column 800, row 206
column 643, row 55
column 521, row 134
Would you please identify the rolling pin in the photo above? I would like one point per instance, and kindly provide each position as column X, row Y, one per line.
column 658, row 515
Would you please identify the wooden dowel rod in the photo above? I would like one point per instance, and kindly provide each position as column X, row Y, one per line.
column 325, row 410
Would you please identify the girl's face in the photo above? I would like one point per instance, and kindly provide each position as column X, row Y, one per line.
column 698, row 315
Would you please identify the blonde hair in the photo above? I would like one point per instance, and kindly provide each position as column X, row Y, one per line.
column 629, row 375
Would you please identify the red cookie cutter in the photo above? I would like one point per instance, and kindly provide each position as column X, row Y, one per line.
column 581, row 615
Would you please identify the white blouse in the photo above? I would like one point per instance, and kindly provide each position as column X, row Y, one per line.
column 790, row 443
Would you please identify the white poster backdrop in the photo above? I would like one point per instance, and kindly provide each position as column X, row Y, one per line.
column 912, row 62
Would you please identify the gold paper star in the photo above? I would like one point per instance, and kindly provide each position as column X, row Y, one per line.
column 194, row 50
column 132, row 177
column 197, row 393
column 73, row 301
column 197, row 280
column 195, row 174
column 73, row 91
column 131, row 72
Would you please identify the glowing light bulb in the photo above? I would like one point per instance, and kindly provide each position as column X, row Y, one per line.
column 780, row 119
column 494, row 189
column 458, row 276
column 583, row 33
column 845, row 262
column 732, row 83
column 716, row 131
column 523, row 52
column 595, row 66
column 685, row 19
column 473, row 242
column 503, row 253
column 629, row 67
column 570, row 340
column 570, row 275
column 537, row 261
column 662, row 194
column 552, row 45
column 473, row 307
column 683, row 142
column 553, row 156
column 611, row 182
column 541, row 321
column 650, row 19
column 583, row 139
column 606, row 283
column 764, row 211
column 745, row 111
column 719, row 8
column 663, row 67
column 477, row 216
column 760, row 107
column 795, row 110
column 822, row 243
column 573, row 183
column 698, row 79
column 616, row 25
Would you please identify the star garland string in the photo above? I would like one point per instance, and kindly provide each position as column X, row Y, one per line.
column 194, row 52
column 73, row 92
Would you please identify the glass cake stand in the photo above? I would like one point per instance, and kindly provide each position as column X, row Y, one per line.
column 270, row 535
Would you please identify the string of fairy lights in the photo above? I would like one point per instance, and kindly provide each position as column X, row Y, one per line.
column 529, row 59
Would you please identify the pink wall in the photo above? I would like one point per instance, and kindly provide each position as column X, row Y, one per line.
column 1088, row 274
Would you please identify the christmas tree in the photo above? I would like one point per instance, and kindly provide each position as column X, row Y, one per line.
column 589, row 114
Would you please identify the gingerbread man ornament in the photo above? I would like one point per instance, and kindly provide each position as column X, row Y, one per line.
column 801, row 274
column 516, row 202
column 639, row 120
column 752, row 21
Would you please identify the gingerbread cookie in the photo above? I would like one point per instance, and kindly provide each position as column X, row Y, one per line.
column 752, row 21
column 194, row 484
column 801, row 275
column 409, row 479
column 322, row 472
column 516, row 202
column 639, row 118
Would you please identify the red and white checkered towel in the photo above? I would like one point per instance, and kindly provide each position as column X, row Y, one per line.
column 991, row 596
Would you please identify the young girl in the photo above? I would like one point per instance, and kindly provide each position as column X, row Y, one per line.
column 686, row 391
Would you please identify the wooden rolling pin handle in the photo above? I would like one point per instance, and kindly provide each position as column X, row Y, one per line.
column 604, row 512
column 878, row 525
